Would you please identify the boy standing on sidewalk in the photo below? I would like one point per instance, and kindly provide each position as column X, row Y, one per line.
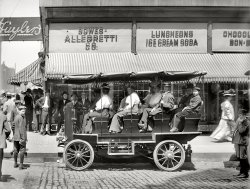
column 20, row 137
column 240, row 141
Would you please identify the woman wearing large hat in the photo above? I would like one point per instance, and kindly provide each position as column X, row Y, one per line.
column 224, row 129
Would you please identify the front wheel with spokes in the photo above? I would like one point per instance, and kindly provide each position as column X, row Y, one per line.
column 169, row 155
column 78, row 155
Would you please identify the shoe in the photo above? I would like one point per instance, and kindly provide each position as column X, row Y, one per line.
column 174, row 130
column 15, row 165
column 21, row 166
column 11, row 153
column 43, row 133
column 239, row 174
column 48, row 132
column 243, row 176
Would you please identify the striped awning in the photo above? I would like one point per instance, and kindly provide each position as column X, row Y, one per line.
column 31, row 73
column 224, row 67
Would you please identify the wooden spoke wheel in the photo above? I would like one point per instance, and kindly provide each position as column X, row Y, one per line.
column 169, row 155
column 78, row 155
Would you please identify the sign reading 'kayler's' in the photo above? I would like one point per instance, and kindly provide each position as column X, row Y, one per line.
column 90, row 37
column 172, row 37
column 231, row 37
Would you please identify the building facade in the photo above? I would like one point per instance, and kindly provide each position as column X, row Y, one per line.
column 93, row 36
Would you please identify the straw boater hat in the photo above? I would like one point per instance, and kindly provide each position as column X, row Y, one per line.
column 22, row 107
column 197, row 88
column 166, row 84
column 229, row 92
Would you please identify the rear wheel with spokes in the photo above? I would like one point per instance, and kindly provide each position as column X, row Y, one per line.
column 78, row 155
column 169, row 155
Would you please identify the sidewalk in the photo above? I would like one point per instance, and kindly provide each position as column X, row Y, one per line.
column 45, row 148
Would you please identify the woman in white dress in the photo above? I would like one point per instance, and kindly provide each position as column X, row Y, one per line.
column 223, row 131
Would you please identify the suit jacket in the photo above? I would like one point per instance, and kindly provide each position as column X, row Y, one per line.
column 4, row 126
column 20, row 129
column 77, row 107
column 195, row 103
column 61, row 105
column 241, row 133
column 40, row 102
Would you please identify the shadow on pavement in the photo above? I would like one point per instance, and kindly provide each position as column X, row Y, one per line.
column 7, row 178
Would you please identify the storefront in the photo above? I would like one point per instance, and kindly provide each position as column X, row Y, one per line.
column 118, row 36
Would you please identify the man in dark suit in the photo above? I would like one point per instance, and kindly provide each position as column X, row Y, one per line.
column 28, row 99
column 76, row 108
column 193, row 107
column 47, row 105
column 61, row 105
column 240, row 141
column 20, row 136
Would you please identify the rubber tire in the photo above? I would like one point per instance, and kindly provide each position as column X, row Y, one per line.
column 92, row 155
column 156, row 158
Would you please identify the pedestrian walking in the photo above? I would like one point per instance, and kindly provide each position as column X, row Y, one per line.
column 226, row 124
column 241, row 141
column 20, row 137
column 4, row 132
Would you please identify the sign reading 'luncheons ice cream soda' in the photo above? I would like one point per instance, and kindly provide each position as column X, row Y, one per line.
column 90, row 37
column 172, row 37
column 230, row 37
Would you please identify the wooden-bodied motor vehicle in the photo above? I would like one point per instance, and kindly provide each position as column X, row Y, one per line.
column 167, row 149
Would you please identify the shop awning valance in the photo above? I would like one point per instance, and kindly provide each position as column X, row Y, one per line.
column 31, row 73
column 222, row 67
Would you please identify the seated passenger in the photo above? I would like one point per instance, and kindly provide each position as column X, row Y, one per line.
column 152, row 107
column 193, row 107
column 101, row 109
column 187, row 92
column 131, row 107
column 167, row 101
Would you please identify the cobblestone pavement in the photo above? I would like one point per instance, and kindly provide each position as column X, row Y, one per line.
column 54, row 175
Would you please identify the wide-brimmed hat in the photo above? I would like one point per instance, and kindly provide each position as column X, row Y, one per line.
column 105, row 86
column 190, row 86
column 230, row 92
column 8, row 94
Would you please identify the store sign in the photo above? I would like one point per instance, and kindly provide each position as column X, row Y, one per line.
column 229, row 37
column 20, row 29
column 171, row 37
column 90, row 37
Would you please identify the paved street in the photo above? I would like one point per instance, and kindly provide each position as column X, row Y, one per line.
column 54, row 175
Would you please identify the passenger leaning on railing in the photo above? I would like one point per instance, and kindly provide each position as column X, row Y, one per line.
column 131, row 103
column 101, row 109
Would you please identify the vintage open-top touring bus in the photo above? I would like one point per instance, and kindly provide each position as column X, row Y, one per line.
column 167, row 149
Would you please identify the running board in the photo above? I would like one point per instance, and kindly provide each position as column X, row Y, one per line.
column 116, row 148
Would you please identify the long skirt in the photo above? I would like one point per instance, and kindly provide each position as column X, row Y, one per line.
column 222, row 132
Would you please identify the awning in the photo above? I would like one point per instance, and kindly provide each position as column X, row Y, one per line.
column 31, row 73
column 222, row 67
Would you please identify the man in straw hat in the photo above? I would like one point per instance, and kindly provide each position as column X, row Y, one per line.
column 241, row 141
column 100, row 109
column 193, row 107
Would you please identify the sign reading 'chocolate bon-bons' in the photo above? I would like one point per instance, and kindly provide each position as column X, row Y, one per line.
column 231, row 37
column 172, row 37
column 90, row 37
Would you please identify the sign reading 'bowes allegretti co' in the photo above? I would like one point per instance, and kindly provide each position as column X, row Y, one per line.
column 171, row 37
column 230, row 37
column 20, row 29
column 90, row 37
